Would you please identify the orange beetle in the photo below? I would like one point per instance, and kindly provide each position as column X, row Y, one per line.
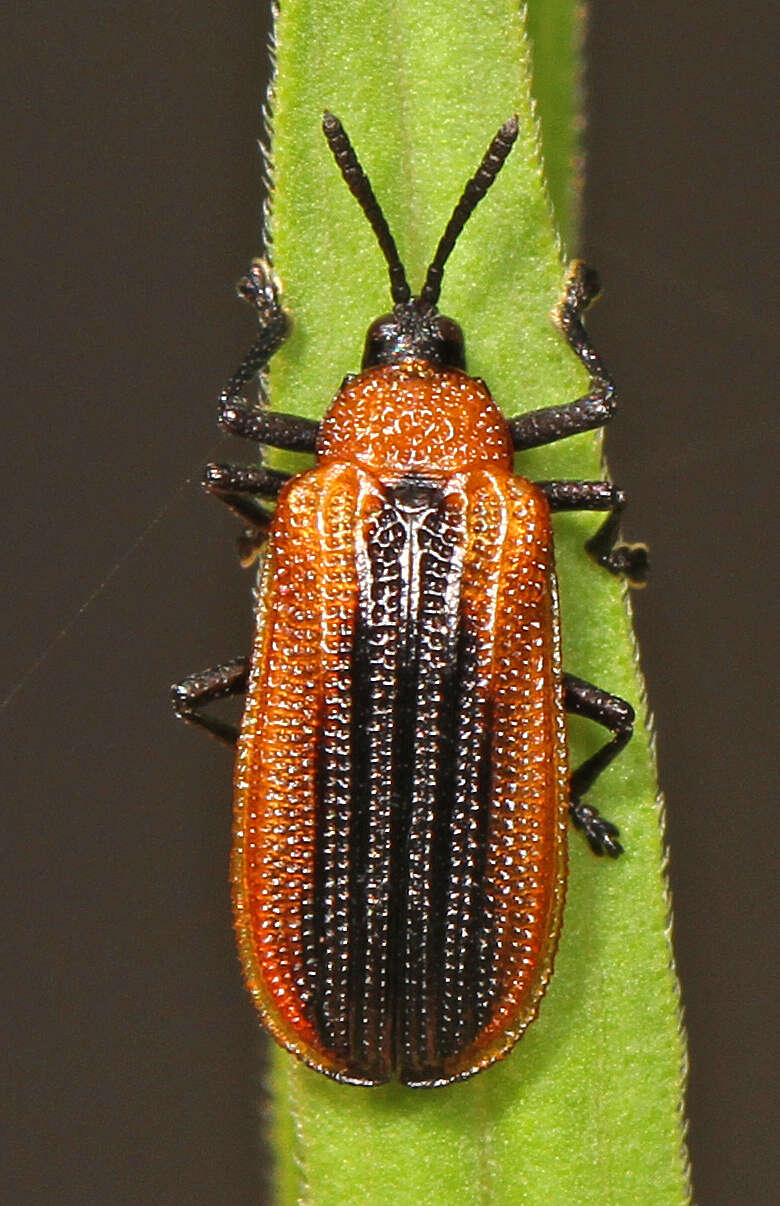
column 402, row 789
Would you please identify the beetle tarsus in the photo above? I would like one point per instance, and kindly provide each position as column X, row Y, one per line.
column 260, row 287
column 601, row 834
column 631, row 561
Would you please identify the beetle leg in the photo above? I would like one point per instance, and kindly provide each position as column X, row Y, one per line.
column 239, row 487
column 553, row 423
column 245, row 506
column 260, row 287
column 595, row 408
column 244, row 479
column 256, row 516
column 583, row 699
column 217, row 683
column 629, row 559
column 291, row 432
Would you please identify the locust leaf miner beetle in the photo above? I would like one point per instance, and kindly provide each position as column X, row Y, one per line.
column 402, row 788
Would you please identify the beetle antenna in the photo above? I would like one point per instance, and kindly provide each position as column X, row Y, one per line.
column 473, row 193
column 358, row 184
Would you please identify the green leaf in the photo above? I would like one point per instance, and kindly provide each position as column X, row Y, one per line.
column 554, row 34
column 587, row 1108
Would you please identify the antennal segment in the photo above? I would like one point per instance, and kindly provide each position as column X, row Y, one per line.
column 358, row 183
column 472, row 194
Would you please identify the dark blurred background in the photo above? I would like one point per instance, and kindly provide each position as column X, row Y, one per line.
column 132, row 202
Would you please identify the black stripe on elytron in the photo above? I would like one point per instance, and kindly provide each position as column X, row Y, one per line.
column 430, row 706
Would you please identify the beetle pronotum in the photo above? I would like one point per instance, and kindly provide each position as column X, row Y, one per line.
column 402, row 784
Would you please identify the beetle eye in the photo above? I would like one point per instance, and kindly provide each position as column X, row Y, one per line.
column 450, row 350
column 382, row 340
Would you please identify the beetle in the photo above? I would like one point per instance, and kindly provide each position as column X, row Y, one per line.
column 402, row 786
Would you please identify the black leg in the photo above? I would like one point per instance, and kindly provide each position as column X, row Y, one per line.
column 244, row 418
column 239, row 487
column 293, row 433
column 583, row 699
column 244, row 505
column 244, row 479
column 261, row 289
column 256, row 516
column 629, row 559
column 217, row 683
column 596, row 407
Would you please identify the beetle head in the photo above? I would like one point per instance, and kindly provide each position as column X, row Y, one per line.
column 415, row 330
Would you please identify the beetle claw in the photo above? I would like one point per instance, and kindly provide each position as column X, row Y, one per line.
column 260, row 287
